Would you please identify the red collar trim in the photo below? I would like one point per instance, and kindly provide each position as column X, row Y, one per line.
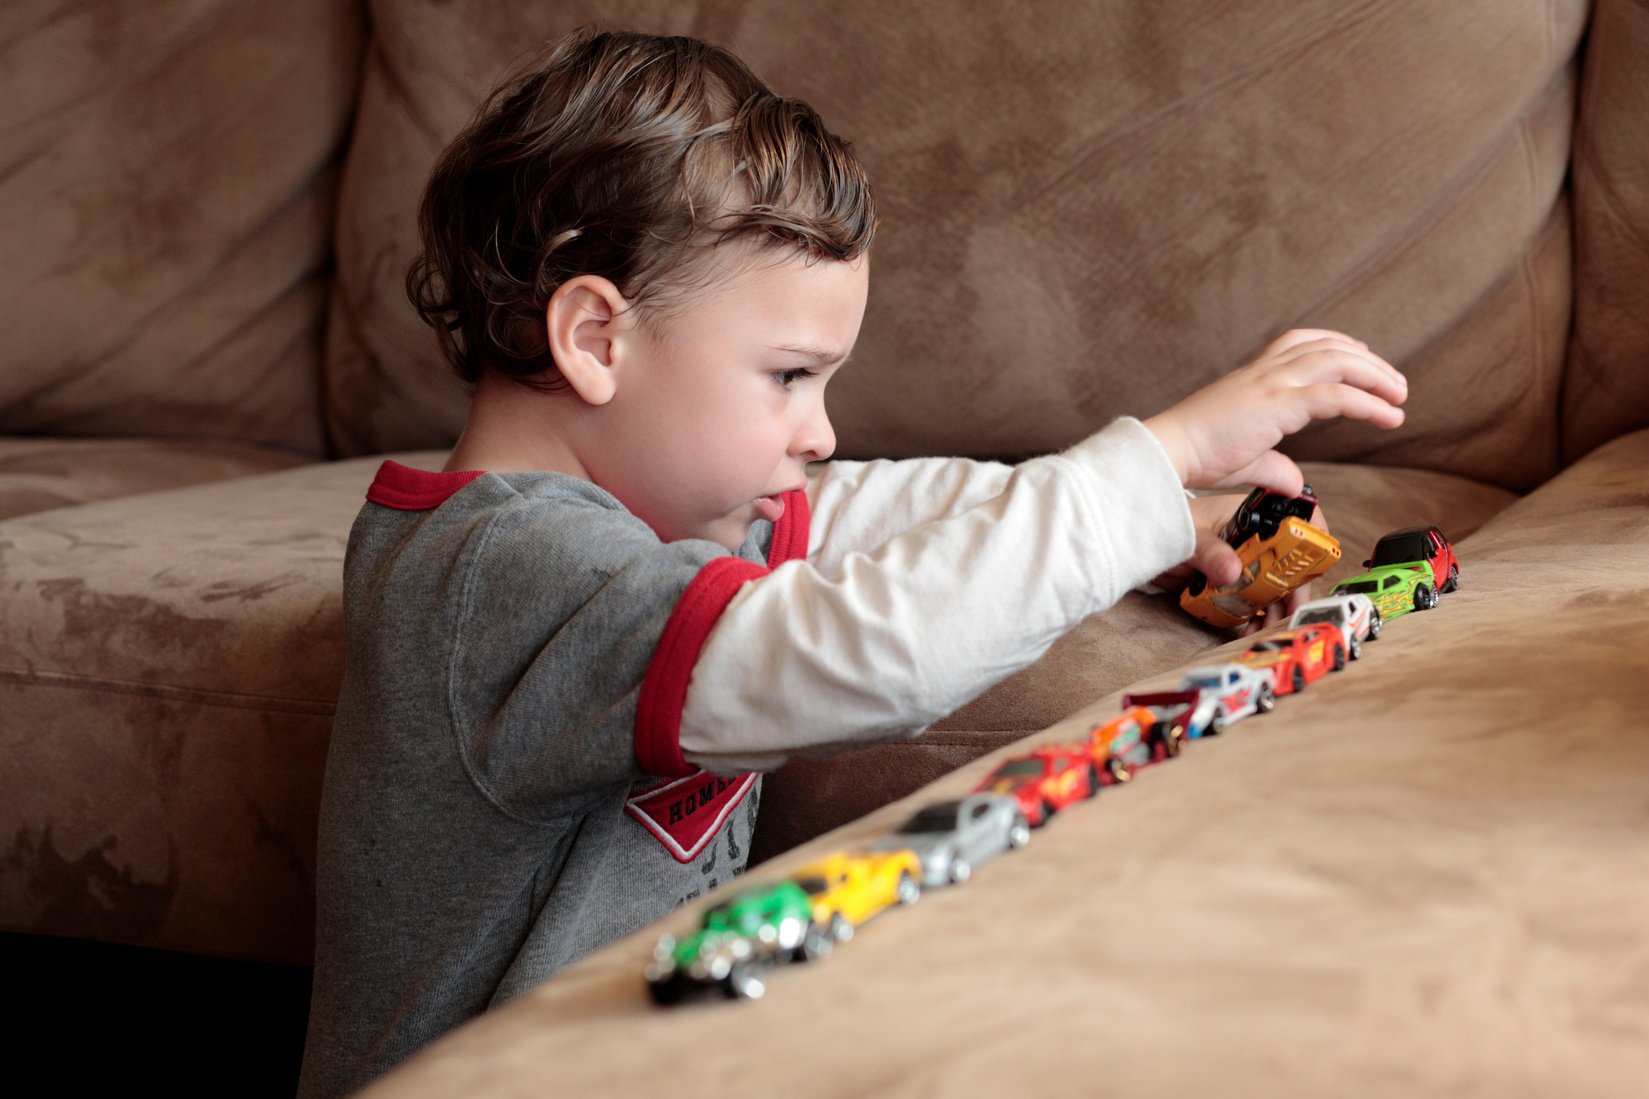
column 407, row 489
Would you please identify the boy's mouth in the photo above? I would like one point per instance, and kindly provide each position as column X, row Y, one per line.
column 770, row 507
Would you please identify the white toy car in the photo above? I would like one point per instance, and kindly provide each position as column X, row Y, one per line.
column 1354, row 616
column 1241, row 690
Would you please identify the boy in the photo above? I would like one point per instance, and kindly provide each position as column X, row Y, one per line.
column 570, row 650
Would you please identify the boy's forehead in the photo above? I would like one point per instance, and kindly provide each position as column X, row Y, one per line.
column 796, row 302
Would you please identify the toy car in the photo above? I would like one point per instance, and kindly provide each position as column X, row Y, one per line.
column 846, row 889
column 1393, row 589
column 1353, row 615
column 1419, row 545
column 1298, row 656
column 1198, row 712
column 1134, row 738
column 1279, row 551
column 950, row 838
column 1045, row 780
column 735, row 942
column 1241, row 690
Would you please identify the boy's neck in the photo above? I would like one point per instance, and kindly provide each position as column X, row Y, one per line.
column 514, row 429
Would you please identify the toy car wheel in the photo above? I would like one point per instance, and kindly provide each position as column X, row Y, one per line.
column 1266, row 701
column 840, row 930
column 960, row 871
column 744, row 983
column 666, row 992
column 1339, row 658
column 1093, row 781
column 816, row 944
column 1374, row 622
column 909, row 890
column 1216, row 724
column 1298, row 679
column 1019, row 833
column 1356, row 649
column 1453, row 582
column 1425, row 597
column 1119, row 770
column 1172, row 738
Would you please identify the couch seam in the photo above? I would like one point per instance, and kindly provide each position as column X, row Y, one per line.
column 229, row 699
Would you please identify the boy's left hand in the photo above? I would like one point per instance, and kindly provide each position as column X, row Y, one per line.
column 1215, row 559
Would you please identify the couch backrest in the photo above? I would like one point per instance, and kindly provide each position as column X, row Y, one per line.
column 1089, row 208
column 167, row 177
column 1606, row 384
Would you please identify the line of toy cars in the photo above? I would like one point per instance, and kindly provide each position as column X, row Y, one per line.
column 804, row 917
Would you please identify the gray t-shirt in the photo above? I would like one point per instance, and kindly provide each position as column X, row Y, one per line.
column 484, row 821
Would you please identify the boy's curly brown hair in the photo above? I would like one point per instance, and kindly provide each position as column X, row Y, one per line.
column 625, row 156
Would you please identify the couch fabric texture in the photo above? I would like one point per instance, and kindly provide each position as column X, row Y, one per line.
column 206, row 213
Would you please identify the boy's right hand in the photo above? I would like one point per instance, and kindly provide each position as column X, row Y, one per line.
column 1226, row 433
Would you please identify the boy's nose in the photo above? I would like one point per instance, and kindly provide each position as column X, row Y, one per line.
column 816, row 440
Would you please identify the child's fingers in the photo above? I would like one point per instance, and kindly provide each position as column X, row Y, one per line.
column 1271, row 470
column 1215, row 559
column 1334, row 399
column 1333, row 361
column 1296, row 336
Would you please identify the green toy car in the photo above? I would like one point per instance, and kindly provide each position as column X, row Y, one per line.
column 736, row 941
column 1394, row 589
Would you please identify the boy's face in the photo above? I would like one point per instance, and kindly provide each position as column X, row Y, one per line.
column 720, row 406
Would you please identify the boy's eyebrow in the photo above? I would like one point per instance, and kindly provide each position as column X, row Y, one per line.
column 817, row 354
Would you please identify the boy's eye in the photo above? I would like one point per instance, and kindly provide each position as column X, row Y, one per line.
column 787, row 378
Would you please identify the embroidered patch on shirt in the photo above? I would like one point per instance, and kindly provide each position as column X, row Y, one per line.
column 685, row 814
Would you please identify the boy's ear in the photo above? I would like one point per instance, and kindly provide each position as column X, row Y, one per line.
column 585, row 321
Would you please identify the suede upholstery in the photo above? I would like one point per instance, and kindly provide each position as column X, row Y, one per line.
column 205, row 220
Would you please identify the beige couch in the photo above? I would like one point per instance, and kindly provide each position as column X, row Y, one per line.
column 205, row 214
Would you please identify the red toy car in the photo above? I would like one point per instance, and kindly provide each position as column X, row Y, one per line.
column 1297, row 656
column 1045, row 780
column 1420, row 545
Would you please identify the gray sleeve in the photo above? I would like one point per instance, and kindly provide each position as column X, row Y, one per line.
column 561, row 609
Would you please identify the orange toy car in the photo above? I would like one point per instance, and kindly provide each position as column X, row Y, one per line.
column 1279, row 551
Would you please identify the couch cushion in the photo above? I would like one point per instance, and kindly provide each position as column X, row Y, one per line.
column 1425, row 876
column 1134, row 640
column 169, row 665
column 166, row 196
column 1606, row 385
column 1086, row 213
column 40, row 474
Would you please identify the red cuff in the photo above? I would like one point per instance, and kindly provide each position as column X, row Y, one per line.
column 791, row 532
column 664, row 691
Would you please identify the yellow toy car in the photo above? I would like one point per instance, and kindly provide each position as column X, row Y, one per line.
column 847, row 889
column 1279, row 550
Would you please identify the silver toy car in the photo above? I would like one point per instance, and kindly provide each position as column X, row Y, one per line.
column 952, row 837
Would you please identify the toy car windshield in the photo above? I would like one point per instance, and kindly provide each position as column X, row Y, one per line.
column 813, row 885
column 1020, row 767
column 1309, row 617
column 1263, row 513
column 934, row 818
column 1401, row 549
column 1268, row 647
column 1364, row 587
